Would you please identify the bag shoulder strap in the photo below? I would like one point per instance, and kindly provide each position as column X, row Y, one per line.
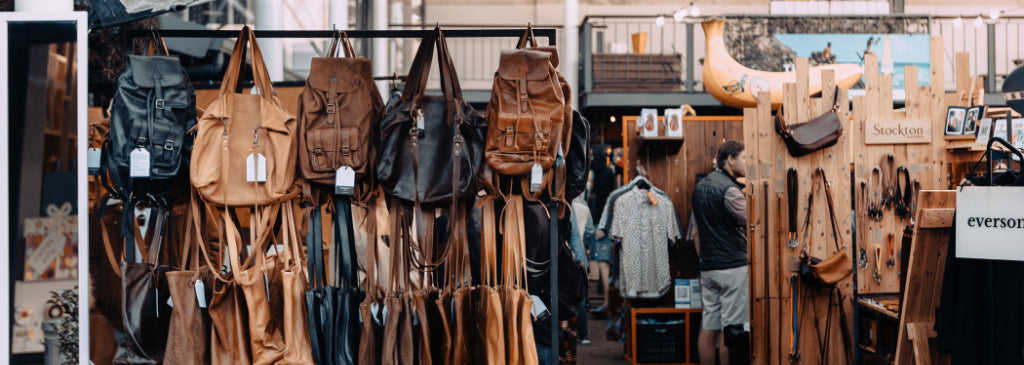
column 831, row 211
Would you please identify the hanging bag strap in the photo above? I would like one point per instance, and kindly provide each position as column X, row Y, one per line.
column 341, row 43
column 261, row 77
column 831, row 212
column 344, row 239
column 315, row 246
column 793, row 194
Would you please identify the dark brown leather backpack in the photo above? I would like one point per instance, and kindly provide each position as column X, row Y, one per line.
column 530, row 112
column 338, row 112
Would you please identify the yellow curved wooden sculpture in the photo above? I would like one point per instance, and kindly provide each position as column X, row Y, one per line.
column 735, row 85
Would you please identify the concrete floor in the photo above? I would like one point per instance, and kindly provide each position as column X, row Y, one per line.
column 600, row 351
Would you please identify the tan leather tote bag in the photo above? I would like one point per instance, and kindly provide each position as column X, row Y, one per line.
column 238, row 127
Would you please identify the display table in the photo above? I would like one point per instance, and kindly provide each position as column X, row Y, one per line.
column 663, row 336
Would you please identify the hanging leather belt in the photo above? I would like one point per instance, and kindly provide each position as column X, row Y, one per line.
column 904, row 192
column 876, row 207
column 792, row 193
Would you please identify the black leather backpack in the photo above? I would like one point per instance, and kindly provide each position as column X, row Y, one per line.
column 577, row 162
column 153, row 109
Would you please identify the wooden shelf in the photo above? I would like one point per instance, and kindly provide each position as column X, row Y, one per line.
column 878, row 309
column 669, row 144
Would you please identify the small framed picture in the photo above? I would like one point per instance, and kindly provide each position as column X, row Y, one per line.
column 673, row 122
column 648, row 122
column 984, row 131
column 955, row 120
column 974, row 114
column 1017, row 128
column 999, row 129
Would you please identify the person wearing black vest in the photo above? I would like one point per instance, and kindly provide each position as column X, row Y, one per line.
column 719, row 217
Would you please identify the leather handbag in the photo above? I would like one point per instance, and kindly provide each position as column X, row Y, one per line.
column 813, row 135
column 188, row 339
column 337, row 112
column 298, row 347
column 243, row 130
column 577, row 161
column 153, row 109
column 144, row 289
column 418, row 164
column 261, row 284
column 834, row 268
column 333, row 310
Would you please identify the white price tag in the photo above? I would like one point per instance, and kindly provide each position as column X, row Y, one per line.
column 420, row 124
column 539, row 310
column 139, row 163
column 201, row 293
column 170, row 303
column 93, row 157
column 345, row 181
column 536, row 178
column 255, row 90
column 256, row 168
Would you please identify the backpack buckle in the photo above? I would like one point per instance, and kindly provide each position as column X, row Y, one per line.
column 346, row 151
column 331, row 109
column 169, row 144
column 159, row 104
column 318, row 151
column 509, row 136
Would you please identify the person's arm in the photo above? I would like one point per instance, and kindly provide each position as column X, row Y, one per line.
column 589, row 234
column 736, row 203
column 576, row 242
column 692, row 235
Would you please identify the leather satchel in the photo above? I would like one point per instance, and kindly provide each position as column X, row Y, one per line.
column 238, row 127
column 418, row 164
column 816, row 134
column 337, row 112
column 836, row 267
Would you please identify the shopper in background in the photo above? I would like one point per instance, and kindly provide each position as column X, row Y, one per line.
column 582, row 240
column 720, row 218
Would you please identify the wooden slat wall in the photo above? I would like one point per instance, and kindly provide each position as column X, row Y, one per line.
column 772, row 322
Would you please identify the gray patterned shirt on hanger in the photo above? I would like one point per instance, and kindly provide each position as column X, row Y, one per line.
column 646, row 231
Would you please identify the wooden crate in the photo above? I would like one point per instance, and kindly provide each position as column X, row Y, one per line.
column 637, row 72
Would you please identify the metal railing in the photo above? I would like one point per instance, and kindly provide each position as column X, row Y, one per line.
column 996, row 47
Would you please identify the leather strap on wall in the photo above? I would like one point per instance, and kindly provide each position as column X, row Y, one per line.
column 792, row 192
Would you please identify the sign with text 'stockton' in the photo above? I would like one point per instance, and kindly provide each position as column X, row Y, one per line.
column 897, row 131
column 990, row 223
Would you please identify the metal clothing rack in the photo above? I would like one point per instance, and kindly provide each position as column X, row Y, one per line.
column 549, row 33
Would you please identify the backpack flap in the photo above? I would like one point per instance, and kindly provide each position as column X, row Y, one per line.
column 535, row 63
column 348, row 72
column 146, row 70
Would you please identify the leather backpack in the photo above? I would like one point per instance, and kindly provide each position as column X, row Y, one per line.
column 577, row 161
column 528, row 115
column 153, row 109
column 237, row 130
column 337, row 112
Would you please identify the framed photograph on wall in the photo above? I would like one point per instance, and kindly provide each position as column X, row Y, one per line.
column 999, row 129
column 974, row 114
column 955, row 120
column 648, row 123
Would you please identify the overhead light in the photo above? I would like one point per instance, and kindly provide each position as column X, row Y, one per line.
column 694, row 10
column 995, row 14
column 660, row 20
column 611, row 119
column 680, row 14
column 978, row 22
column 958, row 22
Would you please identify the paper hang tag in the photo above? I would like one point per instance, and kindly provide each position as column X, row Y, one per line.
column 536, row 178
column 652, row 198
column 139, row 163
column 201, row 293
column 256, row 168
column 420, row 123
column 93, row 159
column 345, row 181
column 539, row 310
column 255, row 90
column 170, row 303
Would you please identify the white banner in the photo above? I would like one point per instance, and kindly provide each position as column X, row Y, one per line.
column 990, row 223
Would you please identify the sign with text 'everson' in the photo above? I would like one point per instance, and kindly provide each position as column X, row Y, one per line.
column 990, row 223
column 897, row 131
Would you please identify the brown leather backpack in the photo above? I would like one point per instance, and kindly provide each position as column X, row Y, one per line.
column 337, row 113
column 527, row 112
column 239, row 125
column 530, row 113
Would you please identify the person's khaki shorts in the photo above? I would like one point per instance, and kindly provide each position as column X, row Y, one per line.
column 724, row 294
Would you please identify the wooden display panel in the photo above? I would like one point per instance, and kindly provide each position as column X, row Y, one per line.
column 924, row 275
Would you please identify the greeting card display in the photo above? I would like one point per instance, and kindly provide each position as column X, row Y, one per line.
column 648, row 123
column 673, row 122
column 51, row 245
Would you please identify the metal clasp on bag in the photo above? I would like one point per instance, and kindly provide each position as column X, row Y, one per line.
column 169, row 144
column 458, row 144
column 346, row 150
column 159, row 104
column 331, row 109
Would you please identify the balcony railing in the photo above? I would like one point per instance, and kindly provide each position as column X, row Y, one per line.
column 996, row 48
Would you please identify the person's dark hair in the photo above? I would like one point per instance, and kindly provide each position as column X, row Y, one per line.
column 728, row 149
